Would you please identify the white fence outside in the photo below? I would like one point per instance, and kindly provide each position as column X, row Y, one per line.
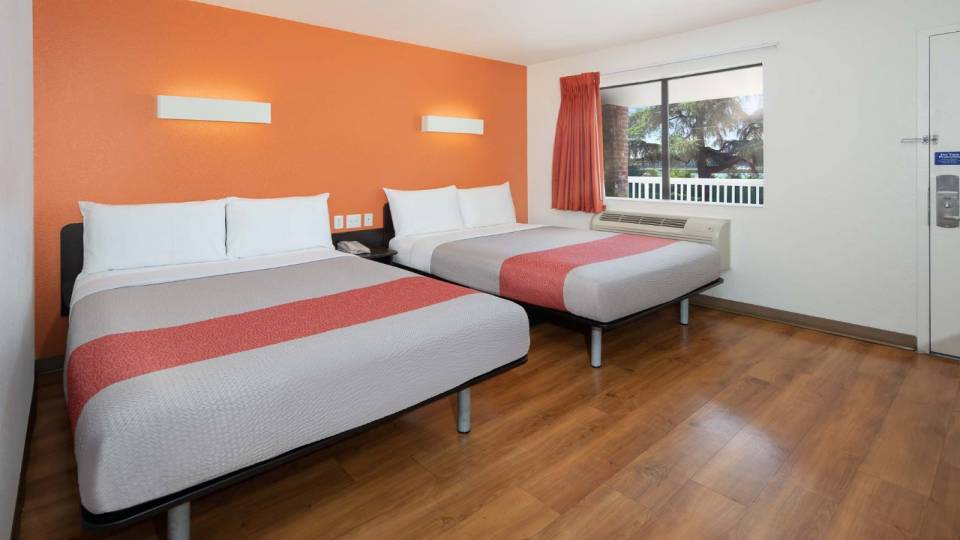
column 726, row 191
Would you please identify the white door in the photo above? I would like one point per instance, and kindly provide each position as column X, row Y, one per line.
column 944, row 188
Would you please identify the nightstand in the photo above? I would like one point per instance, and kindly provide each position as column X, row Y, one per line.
column 379, row 254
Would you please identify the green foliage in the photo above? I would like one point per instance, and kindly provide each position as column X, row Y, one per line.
column 637, row 169
column 715, row 137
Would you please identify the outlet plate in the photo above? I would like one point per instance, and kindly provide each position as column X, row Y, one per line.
column 353, row 221
column 368, row 220
column 337, row 222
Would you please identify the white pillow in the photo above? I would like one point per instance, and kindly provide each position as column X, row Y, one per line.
column 118, row 236
column 491, row 205
column 264, row 226
column 424, row 211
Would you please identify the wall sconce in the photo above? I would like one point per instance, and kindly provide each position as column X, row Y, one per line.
column 215, row 110
column 451, row 124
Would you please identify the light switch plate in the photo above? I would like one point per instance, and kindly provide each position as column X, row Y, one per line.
column 353, row 221
column 368, row 220
column 337, row 222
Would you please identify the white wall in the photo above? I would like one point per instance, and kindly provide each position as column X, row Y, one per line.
column 838, row 235
column 16, row 244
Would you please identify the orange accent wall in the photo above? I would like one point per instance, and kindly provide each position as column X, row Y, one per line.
column 346, row 117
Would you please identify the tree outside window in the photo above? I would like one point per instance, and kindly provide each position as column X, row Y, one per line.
column 714, row 131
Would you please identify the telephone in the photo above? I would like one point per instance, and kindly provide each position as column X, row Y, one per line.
column 350, row 246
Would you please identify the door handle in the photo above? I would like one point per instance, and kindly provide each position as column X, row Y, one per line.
column 908, row 140
column 926, row 139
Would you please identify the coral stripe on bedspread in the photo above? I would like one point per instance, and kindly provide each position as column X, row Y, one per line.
column 538, row 278
column 113, row 358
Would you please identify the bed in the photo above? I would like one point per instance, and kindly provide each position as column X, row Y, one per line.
column 184, row 379
column 598, row 279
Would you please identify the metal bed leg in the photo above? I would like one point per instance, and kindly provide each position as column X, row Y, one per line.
column 596, row 334
column 463, row 411
column 178, row 522
column 685, row 311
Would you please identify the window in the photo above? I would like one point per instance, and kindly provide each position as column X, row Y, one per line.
column 697, row 138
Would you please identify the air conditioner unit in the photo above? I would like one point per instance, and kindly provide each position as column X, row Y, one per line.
column 715, row 232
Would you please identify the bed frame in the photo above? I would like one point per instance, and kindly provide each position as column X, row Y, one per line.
column 177, row 505
column 596, row 327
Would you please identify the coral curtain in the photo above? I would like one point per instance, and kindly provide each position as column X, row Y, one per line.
column 578, row 145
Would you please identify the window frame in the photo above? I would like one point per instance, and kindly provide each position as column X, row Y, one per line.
column 665, row 122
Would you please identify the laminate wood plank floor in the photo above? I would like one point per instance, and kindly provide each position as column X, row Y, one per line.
column 732, row 427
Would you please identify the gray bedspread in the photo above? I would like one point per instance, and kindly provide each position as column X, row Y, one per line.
column 173, row 384
column 597, row 275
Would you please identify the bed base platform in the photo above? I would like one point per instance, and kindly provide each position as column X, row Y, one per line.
column 597, row 327
column 177, row 505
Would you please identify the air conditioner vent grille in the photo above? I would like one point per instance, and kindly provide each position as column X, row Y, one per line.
column 639, row 219
column 676, row 223
column 702, row 230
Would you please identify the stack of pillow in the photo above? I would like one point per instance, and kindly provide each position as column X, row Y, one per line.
column 119, row 237
column 449, row 209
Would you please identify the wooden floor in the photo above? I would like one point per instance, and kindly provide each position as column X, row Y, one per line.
column 732, row 427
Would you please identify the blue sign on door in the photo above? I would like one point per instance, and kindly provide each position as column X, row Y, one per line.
column 946, row 158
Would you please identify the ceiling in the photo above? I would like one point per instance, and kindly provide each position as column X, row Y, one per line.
column 519, row 31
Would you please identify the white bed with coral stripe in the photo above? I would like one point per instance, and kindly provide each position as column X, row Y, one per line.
column 179, row 375
column 595, row 275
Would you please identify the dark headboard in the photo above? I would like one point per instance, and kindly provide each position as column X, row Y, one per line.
column 71, row 262
column 388, row 230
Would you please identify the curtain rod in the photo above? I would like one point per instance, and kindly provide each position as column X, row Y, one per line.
column 766, row 45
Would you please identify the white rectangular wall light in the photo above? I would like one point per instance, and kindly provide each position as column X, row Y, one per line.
column 214, row 110
column 452, row 124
